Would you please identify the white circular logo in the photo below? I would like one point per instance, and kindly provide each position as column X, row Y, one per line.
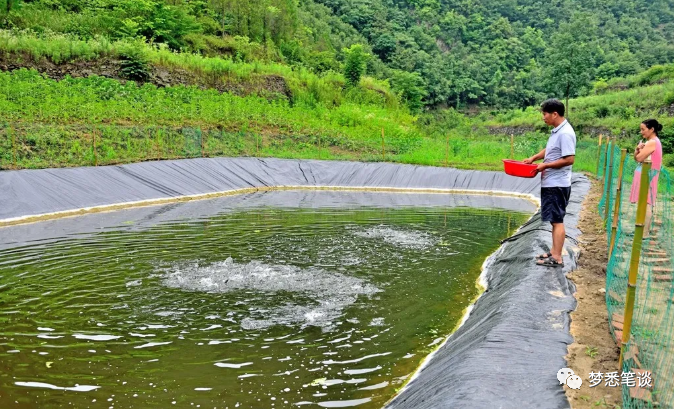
column 574, row 382
column 562, row 374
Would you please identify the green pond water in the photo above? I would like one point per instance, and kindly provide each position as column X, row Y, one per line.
column 256, row 308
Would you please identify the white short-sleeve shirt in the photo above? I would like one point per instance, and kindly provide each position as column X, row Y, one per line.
column 562, row 142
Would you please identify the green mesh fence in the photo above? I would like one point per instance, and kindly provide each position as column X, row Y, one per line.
column 601, row 160
column 651, row 346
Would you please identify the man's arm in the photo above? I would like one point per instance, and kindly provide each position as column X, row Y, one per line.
column 559, row 163
column 540, row 155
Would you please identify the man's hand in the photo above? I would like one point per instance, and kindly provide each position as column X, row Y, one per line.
column 541, row 167
column 528, row 161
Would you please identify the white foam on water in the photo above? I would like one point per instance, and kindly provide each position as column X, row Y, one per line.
column 373, row 387
column 399, row 237
column 343, row 403
column 327, row 293
column 133, row 334
column 353, row 361
column 235, row 366
column 45, row 336
column 361, row 371
column 76, row 388
column 152, row 344
column 96, row 337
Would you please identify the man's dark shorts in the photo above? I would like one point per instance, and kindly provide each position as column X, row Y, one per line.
column 553, row 203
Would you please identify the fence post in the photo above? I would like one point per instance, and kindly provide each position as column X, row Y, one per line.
column 634, row 258
column 202, row 143
column 95, row 153
column 609, row 181
column 512, row 146
column 618, row 202
column 383, row 151
column 156, row 134
column 319, row 145
column 13, row 146
column 598, row 154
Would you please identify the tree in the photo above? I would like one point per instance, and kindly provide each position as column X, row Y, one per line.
column 355, row 64
column 570, row 57
column 7, row 7
column 411, row 88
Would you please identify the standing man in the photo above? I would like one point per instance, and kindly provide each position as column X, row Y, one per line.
column 558, row 157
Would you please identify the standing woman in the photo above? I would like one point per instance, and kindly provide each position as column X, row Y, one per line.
column 653, row 148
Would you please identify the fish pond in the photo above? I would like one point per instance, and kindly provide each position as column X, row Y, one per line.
column 274, row 300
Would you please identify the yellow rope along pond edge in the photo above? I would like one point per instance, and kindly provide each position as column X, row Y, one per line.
column 202, row 196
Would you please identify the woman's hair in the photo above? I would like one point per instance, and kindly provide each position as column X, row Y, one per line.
column 653, row 124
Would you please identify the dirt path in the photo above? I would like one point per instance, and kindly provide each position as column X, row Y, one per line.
column 594, row 349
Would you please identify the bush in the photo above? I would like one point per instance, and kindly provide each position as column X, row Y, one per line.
column 599, row 87
column 666, row 137
column 668, row 160
column 134, row 65
column 602, row 111
column 356, row 62
column 653, row 75
column 411, row 88
column 669, row 98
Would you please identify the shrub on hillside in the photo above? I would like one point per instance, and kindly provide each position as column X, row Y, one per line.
column 669, row 98
column 668, row 160
column 653, row 75
column 666, row 137
column 599, row 87
column 355, row 64
column 134, row 65
column 602, row 111
column 411, row 88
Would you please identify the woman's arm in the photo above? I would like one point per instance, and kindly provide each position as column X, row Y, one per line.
column 640, row 154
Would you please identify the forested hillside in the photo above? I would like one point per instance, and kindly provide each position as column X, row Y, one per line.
column 505, row 53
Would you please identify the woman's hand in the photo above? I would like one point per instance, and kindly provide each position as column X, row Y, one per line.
column 528, row 161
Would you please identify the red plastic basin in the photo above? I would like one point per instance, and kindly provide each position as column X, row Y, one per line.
column 519, row 169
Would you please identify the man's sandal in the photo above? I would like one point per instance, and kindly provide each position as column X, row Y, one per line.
column 543, row 256
column 550, row 262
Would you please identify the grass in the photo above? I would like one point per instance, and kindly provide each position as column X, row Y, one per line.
column 98, row 121
column 591, row 351
column 619, row 112
column 306, row 86
column 49, row 123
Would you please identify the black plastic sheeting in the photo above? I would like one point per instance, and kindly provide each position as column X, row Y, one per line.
column 36, row 192
column 505, row 355
column 508, row 351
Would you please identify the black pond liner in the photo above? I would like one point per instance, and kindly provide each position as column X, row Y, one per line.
column 507, row 352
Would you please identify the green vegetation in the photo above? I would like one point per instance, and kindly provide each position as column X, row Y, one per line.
column 591, row 351
column 95, row 120
column 617, row 113
column 489, row 52
column 323, row 79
